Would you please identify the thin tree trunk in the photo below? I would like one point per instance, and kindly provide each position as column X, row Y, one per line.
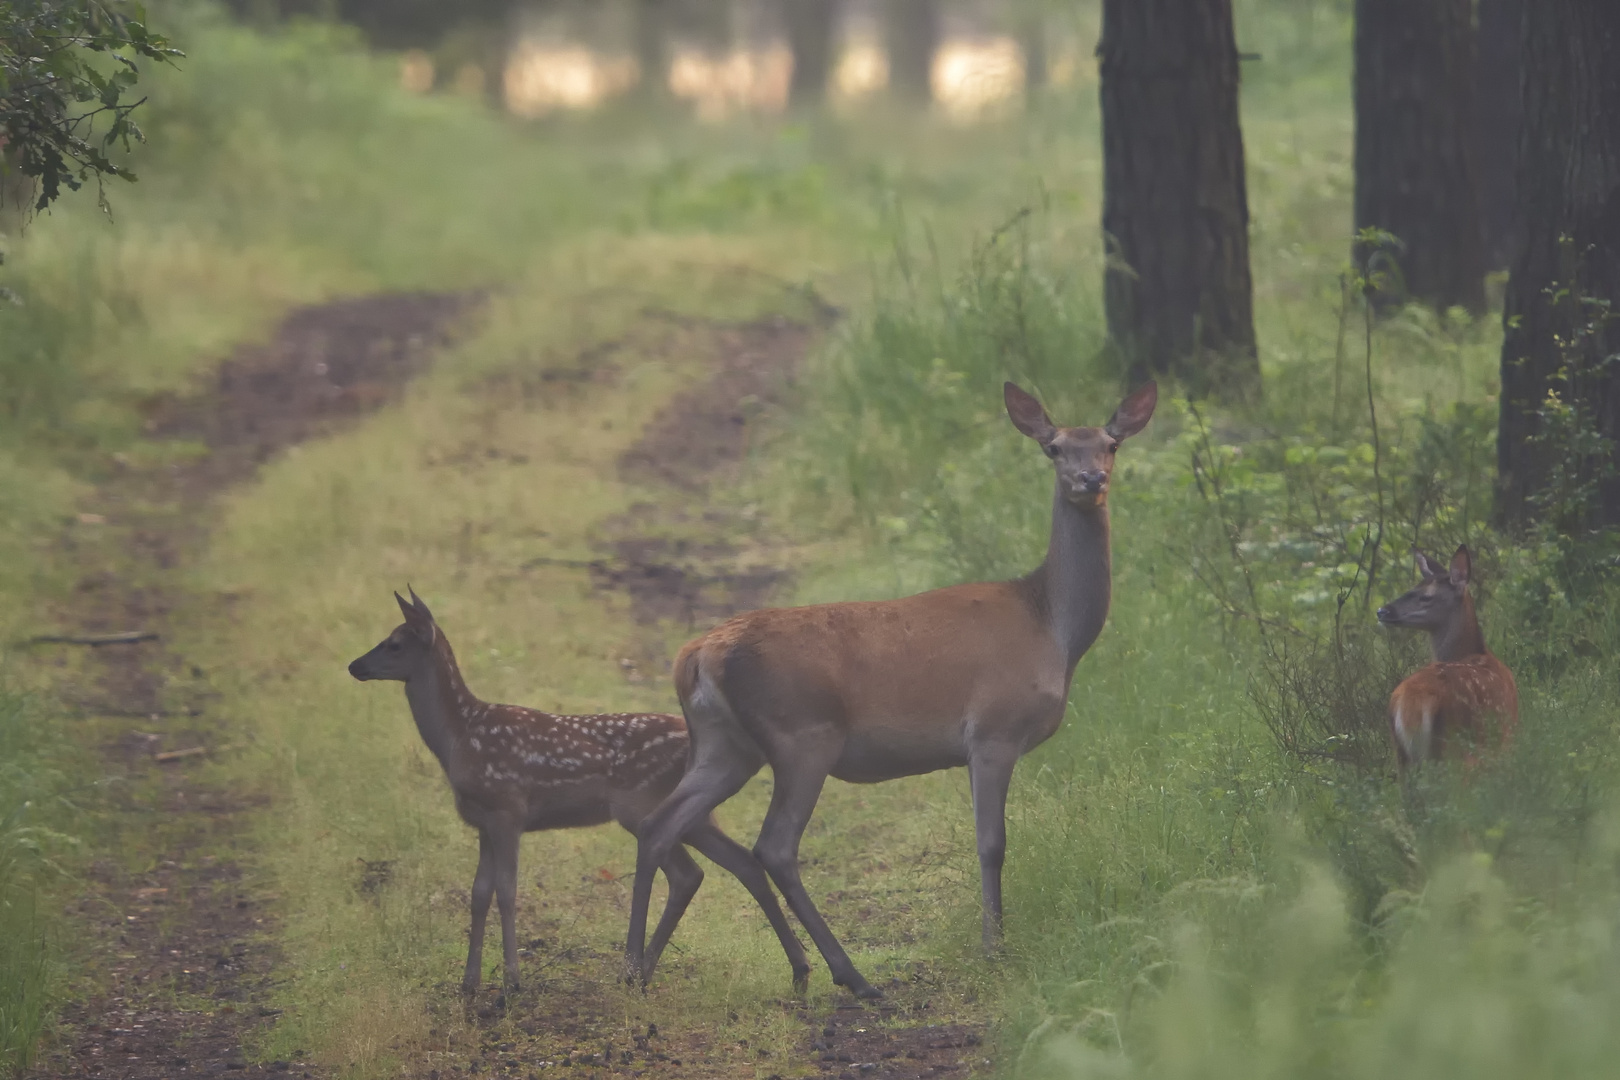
column 1567, row 265
column 652, row 49
column 1175, row 208
column 1032, row 42
column 810, row 27
column 1414, row 157
column 912, row 37
column 1497, row 104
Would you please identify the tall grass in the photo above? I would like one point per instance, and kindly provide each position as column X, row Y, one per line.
column 1189, row 892
column 1186, row 896
column 35, row 808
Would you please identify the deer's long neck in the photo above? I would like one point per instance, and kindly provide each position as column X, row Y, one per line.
column 439, row 701
column 1074, row 583
column 1461, row 637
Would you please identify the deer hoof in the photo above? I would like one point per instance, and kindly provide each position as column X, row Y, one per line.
column 860, row 987
column 801, row 981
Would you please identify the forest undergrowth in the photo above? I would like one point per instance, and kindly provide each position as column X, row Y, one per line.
column 1212, row 870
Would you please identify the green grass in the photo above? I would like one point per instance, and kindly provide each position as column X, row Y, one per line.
column 40, row 807
column 1184, row 898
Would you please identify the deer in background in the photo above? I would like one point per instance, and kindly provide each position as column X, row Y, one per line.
column 1466, row 692
column 517, row 770
column 972, row 675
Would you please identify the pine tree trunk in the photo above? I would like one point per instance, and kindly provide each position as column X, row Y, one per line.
column 810, row 26
column 1497, row 104
column 1175, row 208
column 1032, row 42
column 652, row 49
column 912, row 37
column 1414, row 155
column 1568, row 228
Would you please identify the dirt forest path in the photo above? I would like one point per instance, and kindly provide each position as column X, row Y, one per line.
column 183, row 935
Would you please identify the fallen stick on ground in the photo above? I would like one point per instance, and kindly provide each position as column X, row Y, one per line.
column 125, row 637
column 192, row 751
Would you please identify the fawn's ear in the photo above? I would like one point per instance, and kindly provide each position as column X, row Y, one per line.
column 1427, row 568
column 417, row 620
column 1027, row 414
column 1134, row 412
column 1462, row 565
column 420, row 606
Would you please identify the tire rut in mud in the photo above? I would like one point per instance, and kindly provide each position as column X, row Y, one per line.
column 181, row 943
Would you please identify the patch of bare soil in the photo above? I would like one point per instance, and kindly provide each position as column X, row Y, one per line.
column 180, row 940
column 671, row 555
column 673, row 558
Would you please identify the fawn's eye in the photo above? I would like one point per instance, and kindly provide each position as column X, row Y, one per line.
column 1113, row 448
column 1051, row 451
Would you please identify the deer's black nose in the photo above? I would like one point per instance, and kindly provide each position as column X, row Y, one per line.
column 1093, row 479
column 357, row 669
column 1386, row 613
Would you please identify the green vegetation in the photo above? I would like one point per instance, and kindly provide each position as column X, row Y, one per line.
column 1195, row 887
column 38, row 801
column 54, row 95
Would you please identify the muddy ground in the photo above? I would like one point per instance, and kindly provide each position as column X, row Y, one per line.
column 188, row 940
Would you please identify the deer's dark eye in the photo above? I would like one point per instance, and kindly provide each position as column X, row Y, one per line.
column 1051, row 451
column 393, row 646
column 1113, row 448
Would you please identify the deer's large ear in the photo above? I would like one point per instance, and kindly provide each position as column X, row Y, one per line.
column 1427, row 568
column 1462, row 565
column 420, row 606
column 1027, row 414
column 1134, row 412
column 417, row 619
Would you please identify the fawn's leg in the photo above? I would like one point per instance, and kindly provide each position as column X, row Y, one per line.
column 483, row 888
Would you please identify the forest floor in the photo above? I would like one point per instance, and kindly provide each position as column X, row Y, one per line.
column 179, row 929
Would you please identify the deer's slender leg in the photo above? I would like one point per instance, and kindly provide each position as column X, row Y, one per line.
column 505, row 844
column 483, row 888
column 778, row 851
column 684, row 876
column 729, row 855
column 710, row 780
column 990, row 770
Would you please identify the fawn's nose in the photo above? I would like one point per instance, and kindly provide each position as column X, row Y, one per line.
column 1386, row 613
column 1093, row 480
column 357, row 670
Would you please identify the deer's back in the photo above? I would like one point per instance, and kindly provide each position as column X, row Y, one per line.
column 909, row 675
column 559, row 771
column 1475, row 698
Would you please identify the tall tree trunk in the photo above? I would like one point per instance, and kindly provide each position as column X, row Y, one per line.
column 1175, row 208
column 1497, row 104
column 1414, row 156
column 810, row 27
column 912, row 37
column 1567, row 265
column 1032, row 42
column 652, row 49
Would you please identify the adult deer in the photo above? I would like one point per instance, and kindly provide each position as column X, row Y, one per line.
column 972, row 675
column 1466, row 691
column 516, row 770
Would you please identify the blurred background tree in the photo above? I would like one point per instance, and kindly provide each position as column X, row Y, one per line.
column 811, row 32
column 1497, row 106
column 1175, row 204
column 1558, row 447
column 912, row 31
column 1416, row 178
